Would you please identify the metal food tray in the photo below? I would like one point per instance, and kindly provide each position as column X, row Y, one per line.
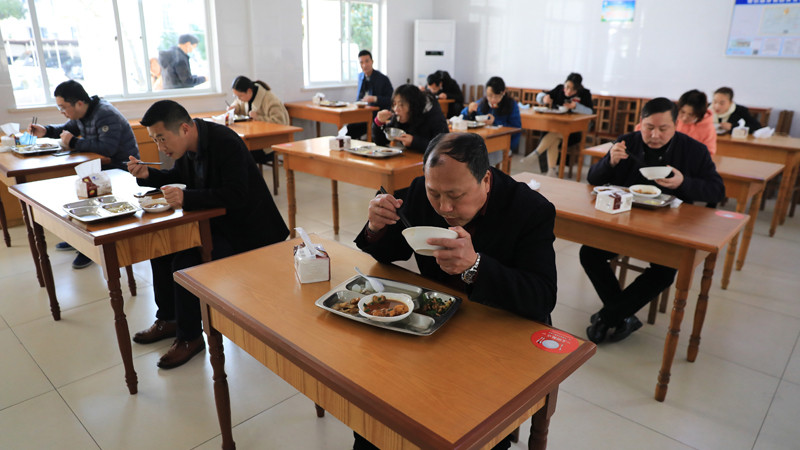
column 546, row 110
column 99, row 208
column 332, row 104
column 241, row 118
column 417, row 323
column 374, row 151
column 661, row 201
column 35, row 149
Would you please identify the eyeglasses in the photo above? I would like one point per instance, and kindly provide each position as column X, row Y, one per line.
column 60, row 108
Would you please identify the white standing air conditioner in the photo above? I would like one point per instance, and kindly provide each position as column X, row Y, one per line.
column 434, row 48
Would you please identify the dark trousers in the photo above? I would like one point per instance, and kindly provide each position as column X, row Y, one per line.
column 173, row 301
column 362, row 444
column 618, row 303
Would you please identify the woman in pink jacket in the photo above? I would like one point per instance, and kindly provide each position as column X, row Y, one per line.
column 695, row 120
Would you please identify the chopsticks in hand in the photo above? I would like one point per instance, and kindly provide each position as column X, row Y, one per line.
column 149, row 163
column 627, row 152
column 403, row 218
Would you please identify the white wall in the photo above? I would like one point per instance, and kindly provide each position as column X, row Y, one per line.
column 671, row 47
column 262, row 40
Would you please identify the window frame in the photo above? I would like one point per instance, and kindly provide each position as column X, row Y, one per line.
column 126, row 94
column 377, row 47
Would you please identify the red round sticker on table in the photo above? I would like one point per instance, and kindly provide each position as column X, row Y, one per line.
column 554, row 341
column 729, row 215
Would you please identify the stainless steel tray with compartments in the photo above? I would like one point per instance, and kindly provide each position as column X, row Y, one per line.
column 418, row 323
column 374, row 151
column 100, row 208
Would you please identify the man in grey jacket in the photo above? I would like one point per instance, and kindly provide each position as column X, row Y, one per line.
column 93, row 125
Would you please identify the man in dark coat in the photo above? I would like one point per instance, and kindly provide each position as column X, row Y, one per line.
column 218, row 171
column 374, row 88
column 694, row 177
column 503, row 254
column 176, row 72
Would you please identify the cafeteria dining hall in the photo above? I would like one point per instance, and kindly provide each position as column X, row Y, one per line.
column 216, row 232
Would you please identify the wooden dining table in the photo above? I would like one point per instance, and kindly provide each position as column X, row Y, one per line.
column 745, row 181
column 338, row 116
column 16, row 169
column 111, row 243
column 776, row 149
column 314, row 157
column 565, row 124
column 468, row 385
column 680, row 238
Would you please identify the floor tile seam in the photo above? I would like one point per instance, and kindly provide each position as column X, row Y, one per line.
column 105, row 369
column 75, row 414
column 50, row 314
column 245, row 420
column 627, row 419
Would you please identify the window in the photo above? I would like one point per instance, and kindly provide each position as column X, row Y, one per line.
column 331, row 46
column 107, row 46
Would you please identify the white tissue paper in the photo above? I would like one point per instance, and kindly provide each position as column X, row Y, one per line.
column 535, row 185
column 614, row 201
column 7, row 141
column 311, row 262
column 91, row 181
column 740, row 132
column 318, row 97
column 458, row 123
column 9, row 128
column 763, row 133
column 341, row 141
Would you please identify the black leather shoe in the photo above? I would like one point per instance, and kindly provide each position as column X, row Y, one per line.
column 597, row 331
column 160, row 329
column 628, row 326
column 181, row 352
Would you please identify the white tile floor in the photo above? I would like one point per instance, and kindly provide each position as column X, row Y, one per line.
column 61, row 383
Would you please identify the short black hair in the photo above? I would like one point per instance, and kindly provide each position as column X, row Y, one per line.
column 242, row 84
column 497, row 84
column 465, row 147
column 576, row 79
column 697, row 100
column 72, row 92
column 184, row 38
column 415, row 99
column 725, row 91
column 438, row 77
column 168, row 111
column 365, row 53
column 660, row 105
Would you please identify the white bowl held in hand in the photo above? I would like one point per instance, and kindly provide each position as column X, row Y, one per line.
column 482, row 118
column 393, row 299
column 180, row 186
column 645, row 190
column 656, row 172
column 417, row 238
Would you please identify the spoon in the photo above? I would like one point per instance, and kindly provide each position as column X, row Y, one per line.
column 377, row 286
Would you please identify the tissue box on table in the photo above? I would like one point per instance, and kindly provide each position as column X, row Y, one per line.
column 339, row 143
column 91, row 181
column 740, row 132
column 311, row 268
column 614, row 202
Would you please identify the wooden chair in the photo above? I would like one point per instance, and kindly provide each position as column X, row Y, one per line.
column 603, row 106
column 272, row 160
column 515, row 93
column 794, row 196
column 762, row 115
column 784, row 125
column 624, row 264
column 529, row 96
column 626, row 115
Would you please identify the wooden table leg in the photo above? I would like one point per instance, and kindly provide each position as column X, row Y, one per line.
column 131, row 280
column 290, row 197
column 335, row 205
column 47, row 270
column 320, row 410
column 120, row 322
column 579, row 163
column 222, row 395
column 787, row 197
column 540, row 424
column 563, row 158
column 507, row 161
column 206, row 240
column 32, row 243
column 369, row 131
column 730, row 256
column 702, row 305
column 4, row 224
column 670, row 345
column 318, row 129
column 783, row 190
column 755, row 204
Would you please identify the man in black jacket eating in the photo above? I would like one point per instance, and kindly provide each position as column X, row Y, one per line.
column 694, row 177
column 218, row 171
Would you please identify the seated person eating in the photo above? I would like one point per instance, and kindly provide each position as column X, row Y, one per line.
column 414, row 112
column 501, row 109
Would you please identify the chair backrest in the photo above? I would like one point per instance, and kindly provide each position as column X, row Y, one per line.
column 784, row 125
column 761, row 114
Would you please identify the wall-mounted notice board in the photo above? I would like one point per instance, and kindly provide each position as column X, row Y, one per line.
column 765, row 28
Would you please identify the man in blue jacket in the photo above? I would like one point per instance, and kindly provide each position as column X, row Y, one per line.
column 373, row 88
column 218, row 171
column 93, row 125
column 694, row 177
